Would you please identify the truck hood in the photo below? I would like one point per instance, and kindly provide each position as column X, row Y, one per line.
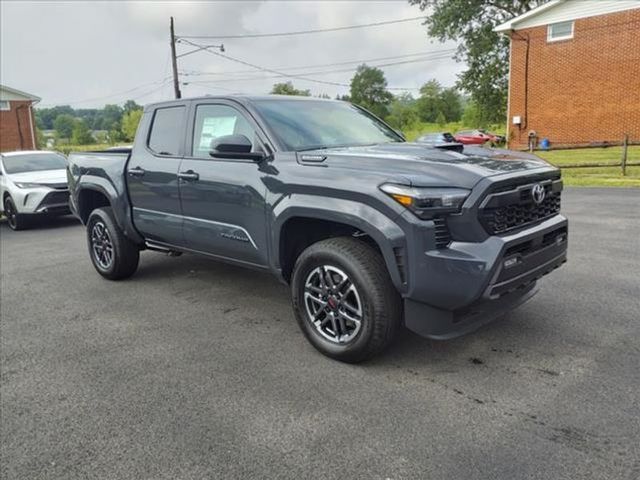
column 44, row 177
column 423, row 165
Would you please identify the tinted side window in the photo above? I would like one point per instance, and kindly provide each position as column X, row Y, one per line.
column 166, row 130
column 213, row 121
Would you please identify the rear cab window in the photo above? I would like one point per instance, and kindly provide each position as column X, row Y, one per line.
column 166, row 133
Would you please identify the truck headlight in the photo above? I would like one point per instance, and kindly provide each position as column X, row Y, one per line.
column 27, row 185
column 427, row 202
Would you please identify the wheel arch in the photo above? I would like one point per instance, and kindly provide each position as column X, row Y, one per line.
column 90, row 198
column 297, row 227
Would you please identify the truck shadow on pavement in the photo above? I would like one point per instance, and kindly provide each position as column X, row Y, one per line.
column 407, row 347
column 44, row 223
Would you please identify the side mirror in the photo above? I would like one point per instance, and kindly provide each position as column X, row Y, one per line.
column 234, row 147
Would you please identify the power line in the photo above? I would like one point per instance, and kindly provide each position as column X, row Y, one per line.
column 104, row 97
column 350, row 62
column 276, row 72
column 326, row 72
column 304, row 32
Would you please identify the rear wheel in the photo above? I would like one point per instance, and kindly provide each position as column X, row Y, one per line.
column 15, row 220
column 344, row 300
column 113, row 255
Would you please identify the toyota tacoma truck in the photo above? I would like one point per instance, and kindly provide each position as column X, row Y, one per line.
column 371, row 232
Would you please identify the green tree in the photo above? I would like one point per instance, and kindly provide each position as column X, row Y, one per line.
column 131, row 105
column 81, row 134
column 471, row 116
column 441, row 120
column 130, row 121
column 434, row 100
column 451, row 104
column 486, row 53
column 111, row 117
column 428, row 104
column 63, row 125
column 287, row 88
column 41, row 142
column 115, row 133
column 403, row 113
column 369, row 90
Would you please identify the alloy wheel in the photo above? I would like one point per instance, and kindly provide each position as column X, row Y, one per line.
column 101, row 245
column 333, row 304
column 10, row 211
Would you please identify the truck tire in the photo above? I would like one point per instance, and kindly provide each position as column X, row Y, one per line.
column 113, row 255
column 15, row 220
column 344, row 300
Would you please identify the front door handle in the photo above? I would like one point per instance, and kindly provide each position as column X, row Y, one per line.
column 189, row 175
column 136, row 172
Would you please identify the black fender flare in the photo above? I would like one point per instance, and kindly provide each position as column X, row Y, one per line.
column 383, row 230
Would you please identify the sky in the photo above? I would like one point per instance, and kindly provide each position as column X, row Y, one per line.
column 87, row 54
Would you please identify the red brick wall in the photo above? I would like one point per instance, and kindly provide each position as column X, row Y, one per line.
column 582, row 90
column 15, row 127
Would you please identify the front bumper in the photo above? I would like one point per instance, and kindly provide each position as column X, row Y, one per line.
column 41, row 201
column 458, row 289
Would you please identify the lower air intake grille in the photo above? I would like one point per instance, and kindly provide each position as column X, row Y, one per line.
column 443, row 238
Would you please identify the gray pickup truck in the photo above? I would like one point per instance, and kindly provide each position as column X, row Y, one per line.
column 371, row 232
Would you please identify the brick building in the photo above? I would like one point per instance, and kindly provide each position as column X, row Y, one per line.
column 574, row 75
column 17, row 124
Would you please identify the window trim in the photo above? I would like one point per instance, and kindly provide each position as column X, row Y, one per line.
column 188, row 152
column 180, row 152
column 551, row 38
column 8, row 103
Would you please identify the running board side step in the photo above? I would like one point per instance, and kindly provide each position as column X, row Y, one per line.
column 159, row 248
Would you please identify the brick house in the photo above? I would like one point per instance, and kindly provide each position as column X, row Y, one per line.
column 574, row 75
column 17, row 124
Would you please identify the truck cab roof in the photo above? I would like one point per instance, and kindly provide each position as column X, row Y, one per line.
column 240, row 98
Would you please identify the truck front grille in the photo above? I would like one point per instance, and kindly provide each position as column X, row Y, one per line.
column 513, row 208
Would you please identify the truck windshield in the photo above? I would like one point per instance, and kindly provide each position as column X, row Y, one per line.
column 33, row 162
column 310, row 124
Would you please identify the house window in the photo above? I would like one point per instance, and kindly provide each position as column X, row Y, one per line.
column 559, row 31
column 5, row 105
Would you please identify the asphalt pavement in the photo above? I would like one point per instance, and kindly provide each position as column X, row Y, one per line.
column 194, row 369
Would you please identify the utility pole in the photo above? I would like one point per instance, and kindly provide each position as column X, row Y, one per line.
column 174, row 62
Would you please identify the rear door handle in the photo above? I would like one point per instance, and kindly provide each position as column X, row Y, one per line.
column 189, row 175
column 136, row 172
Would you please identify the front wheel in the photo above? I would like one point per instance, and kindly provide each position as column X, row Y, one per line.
column 344, row 300
column 15, row 220
column 113, row 255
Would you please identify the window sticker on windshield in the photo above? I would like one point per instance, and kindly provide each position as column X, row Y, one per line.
column 214, row 127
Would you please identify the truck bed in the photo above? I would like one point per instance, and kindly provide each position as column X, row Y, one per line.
column 104, row 173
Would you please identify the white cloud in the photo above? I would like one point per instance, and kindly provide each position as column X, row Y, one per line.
column 88, row 53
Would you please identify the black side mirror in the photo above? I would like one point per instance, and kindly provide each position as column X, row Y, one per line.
column 234, row 147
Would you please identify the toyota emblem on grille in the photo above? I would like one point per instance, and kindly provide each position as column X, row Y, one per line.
column 538, row 193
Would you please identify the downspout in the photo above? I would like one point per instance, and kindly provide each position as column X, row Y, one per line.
column 508, row 129
column 19, row 126
column 33, row 134
column 518, row 36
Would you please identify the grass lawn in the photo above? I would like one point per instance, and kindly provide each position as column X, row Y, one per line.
column 596, row 177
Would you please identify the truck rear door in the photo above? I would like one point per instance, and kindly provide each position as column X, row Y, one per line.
column 152, row 175
column 223, row 201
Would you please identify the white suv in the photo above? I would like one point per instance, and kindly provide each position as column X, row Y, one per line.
column 32, row 183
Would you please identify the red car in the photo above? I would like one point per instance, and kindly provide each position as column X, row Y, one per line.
column 478, row 137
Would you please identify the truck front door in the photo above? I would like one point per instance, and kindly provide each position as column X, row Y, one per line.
column 223, row 201
column 152, row 176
